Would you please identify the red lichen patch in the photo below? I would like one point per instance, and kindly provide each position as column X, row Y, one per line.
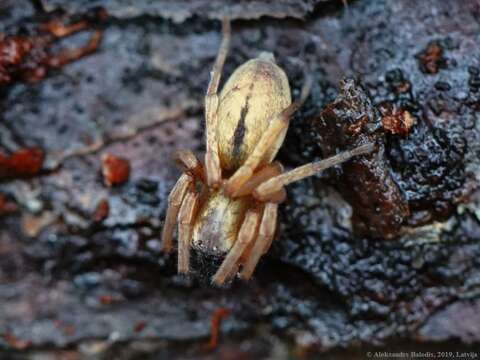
column 13, row 49
column 67, row 330
column 217, row 317
column 115, row 170
column 396, row 121
column 28, row 57
column 27, row 162
column 101, row 211
column 431, row 59
column 15, row 342
column 108, row 299
column 140, row 326
column 6, row 207
column 22, row 163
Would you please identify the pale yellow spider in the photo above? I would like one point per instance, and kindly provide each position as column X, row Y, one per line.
column 229, row 206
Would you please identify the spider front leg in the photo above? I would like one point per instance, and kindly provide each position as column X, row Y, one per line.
column 265, row 191
column 267, row 172
column 212, row 159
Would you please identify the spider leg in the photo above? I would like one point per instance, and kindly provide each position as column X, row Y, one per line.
column 275, row 184
column 246, row 235
column 212, row 159
column 189, row 163
column 263, row 241
column 186, row 218
column 260, row 176
column 175, row 200
column 277, row 125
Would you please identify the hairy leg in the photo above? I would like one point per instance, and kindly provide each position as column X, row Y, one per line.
column 212, row 159
column 275, row 184
column 263, row 241
column 175, row 200
column 246, row 235
column 189, row 163
column 186, row 218
column 259, row 177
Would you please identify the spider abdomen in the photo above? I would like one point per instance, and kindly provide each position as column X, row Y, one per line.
column 218, row 220
column 254, row 93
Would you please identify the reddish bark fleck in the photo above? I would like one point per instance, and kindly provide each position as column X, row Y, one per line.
column 140, row 326
column 217, row 317
column 431, row 59
column 108, row 299
column 15, row 342
column 24, row 162
column 27, row 57
column 6, row 207
column 115, row 170
column 101, row 211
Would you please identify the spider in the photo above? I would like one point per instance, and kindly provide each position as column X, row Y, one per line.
column 228, row 205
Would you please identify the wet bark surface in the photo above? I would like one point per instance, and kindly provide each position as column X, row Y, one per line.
column 81, row 270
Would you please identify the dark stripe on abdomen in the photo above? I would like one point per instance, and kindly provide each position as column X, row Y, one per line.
column 240, row 130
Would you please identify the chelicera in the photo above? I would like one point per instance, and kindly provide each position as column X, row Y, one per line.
column 228, row 205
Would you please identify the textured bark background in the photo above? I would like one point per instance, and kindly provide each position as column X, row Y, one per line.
column 71, row 286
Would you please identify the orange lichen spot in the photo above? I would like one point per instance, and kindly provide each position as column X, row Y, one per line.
column 217, row 317
column 13, row 49
column 6, row 207
column 24, row 162
column 27, row 162
column 398, row 123
column 115, row 170
column 431, row 59
column 101, row 211
column 15, row 342
column 107, row 299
